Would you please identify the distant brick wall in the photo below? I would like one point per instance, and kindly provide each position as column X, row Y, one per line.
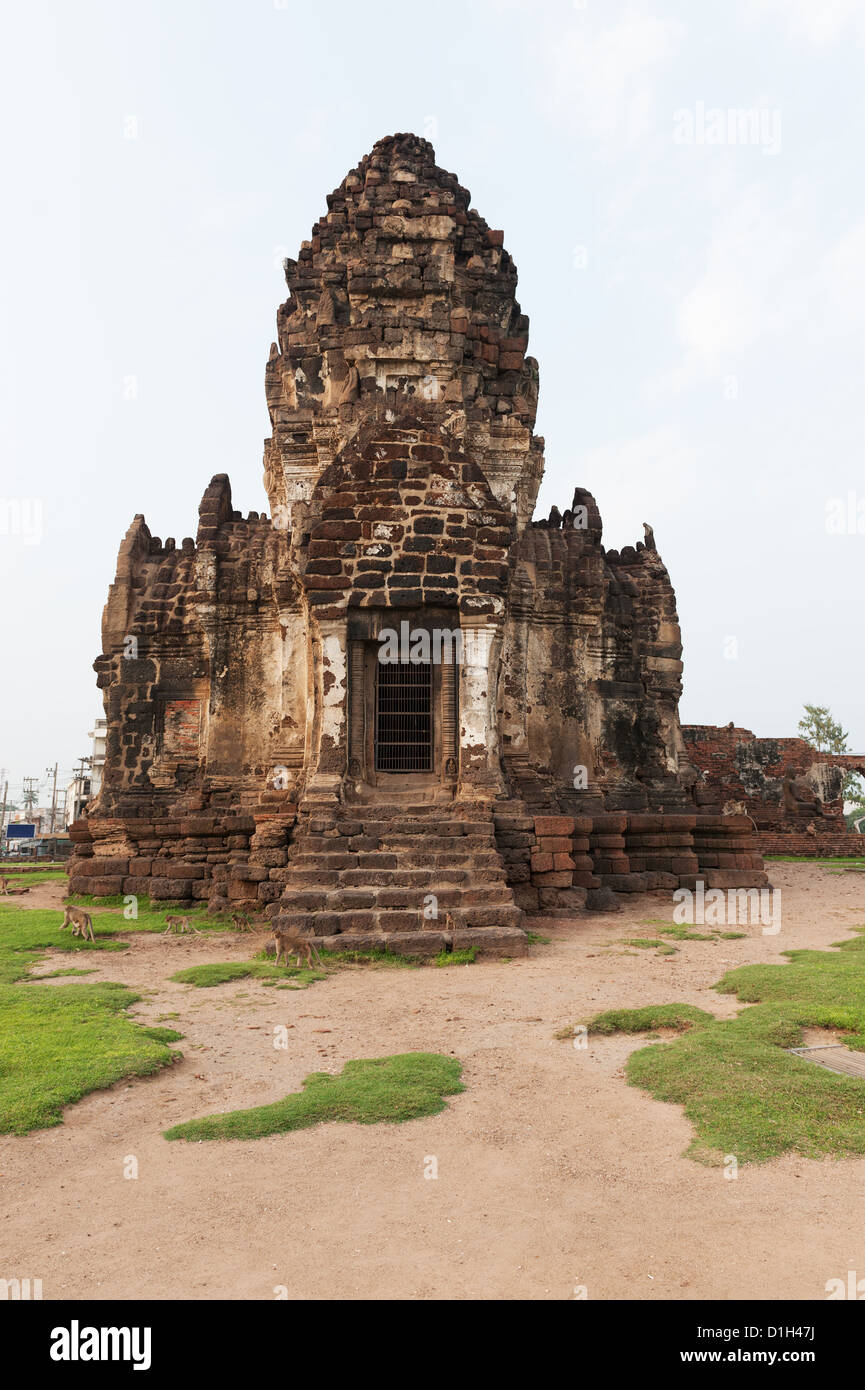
column 792, row 792
column 819, row 845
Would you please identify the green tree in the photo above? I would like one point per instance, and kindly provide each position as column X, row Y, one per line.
column 825, row 735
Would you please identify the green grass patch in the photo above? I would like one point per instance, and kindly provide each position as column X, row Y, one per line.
column 681, row 932
column 88, row 900
column 150, row 916
column 648, row 943
column 59, row 1042
column 742, row 1090
column 373, row 955
column 855, row 860
column 534, row 939
column 684, row 933
column 38, row 876
column 466, row 957
column 678, row 1016
column 55, row 974
column 163, row 1035
column 152, row 919
column 25, row 933
column 384, row 1090
column 224, row 973
column 18, row 863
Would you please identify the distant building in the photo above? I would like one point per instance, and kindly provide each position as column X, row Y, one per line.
column 78, row 794
column 98, row 735
column 87, row 780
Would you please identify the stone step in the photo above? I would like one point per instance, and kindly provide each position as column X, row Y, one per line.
column 373, row 920
column 390, row 878
column 369, row 872
column 423, row 859
column 472, row 834
column 490, row 941
column 448, row 899
column 356, row 844
column 412, row 829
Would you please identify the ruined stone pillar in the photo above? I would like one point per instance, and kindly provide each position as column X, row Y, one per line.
column 480, row 769
column 330, row 728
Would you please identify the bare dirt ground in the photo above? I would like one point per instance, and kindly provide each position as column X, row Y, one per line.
column 553, row 1174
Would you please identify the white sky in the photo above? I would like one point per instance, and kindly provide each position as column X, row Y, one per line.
column 654, row 271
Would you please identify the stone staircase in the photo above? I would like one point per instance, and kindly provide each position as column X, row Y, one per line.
column 364, row 875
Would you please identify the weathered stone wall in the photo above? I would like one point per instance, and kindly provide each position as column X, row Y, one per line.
column 229, row 861
column 792, row 792
column 193, row 662
column 593, row 668
column 551, row 861
column 403, row 519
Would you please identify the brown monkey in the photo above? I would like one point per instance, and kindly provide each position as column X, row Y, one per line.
column 241, row 922
column 292, row 943
column 8, row 890
column 80, row 921
column 180, row 925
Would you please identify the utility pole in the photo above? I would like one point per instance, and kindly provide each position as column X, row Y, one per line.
column 78, row 774
column 3, row 812
column 53, row 797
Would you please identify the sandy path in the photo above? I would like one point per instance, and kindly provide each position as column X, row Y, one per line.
column 552, row 1172
column 42, row 895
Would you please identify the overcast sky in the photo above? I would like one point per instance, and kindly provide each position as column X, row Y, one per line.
column 695, row 283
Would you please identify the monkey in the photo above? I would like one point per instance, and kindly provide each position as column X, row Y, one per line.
column 292, row 943
column 241, row 921
column 180, row 925
column 4, row 887
column 80, row 921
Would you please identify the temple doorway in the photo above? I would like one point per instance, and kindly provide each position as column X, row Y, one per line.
column 402, row 724
column 404, row 717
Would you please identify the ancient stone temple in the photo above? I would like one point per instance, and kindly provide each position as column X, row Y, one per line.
column 397, row 704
